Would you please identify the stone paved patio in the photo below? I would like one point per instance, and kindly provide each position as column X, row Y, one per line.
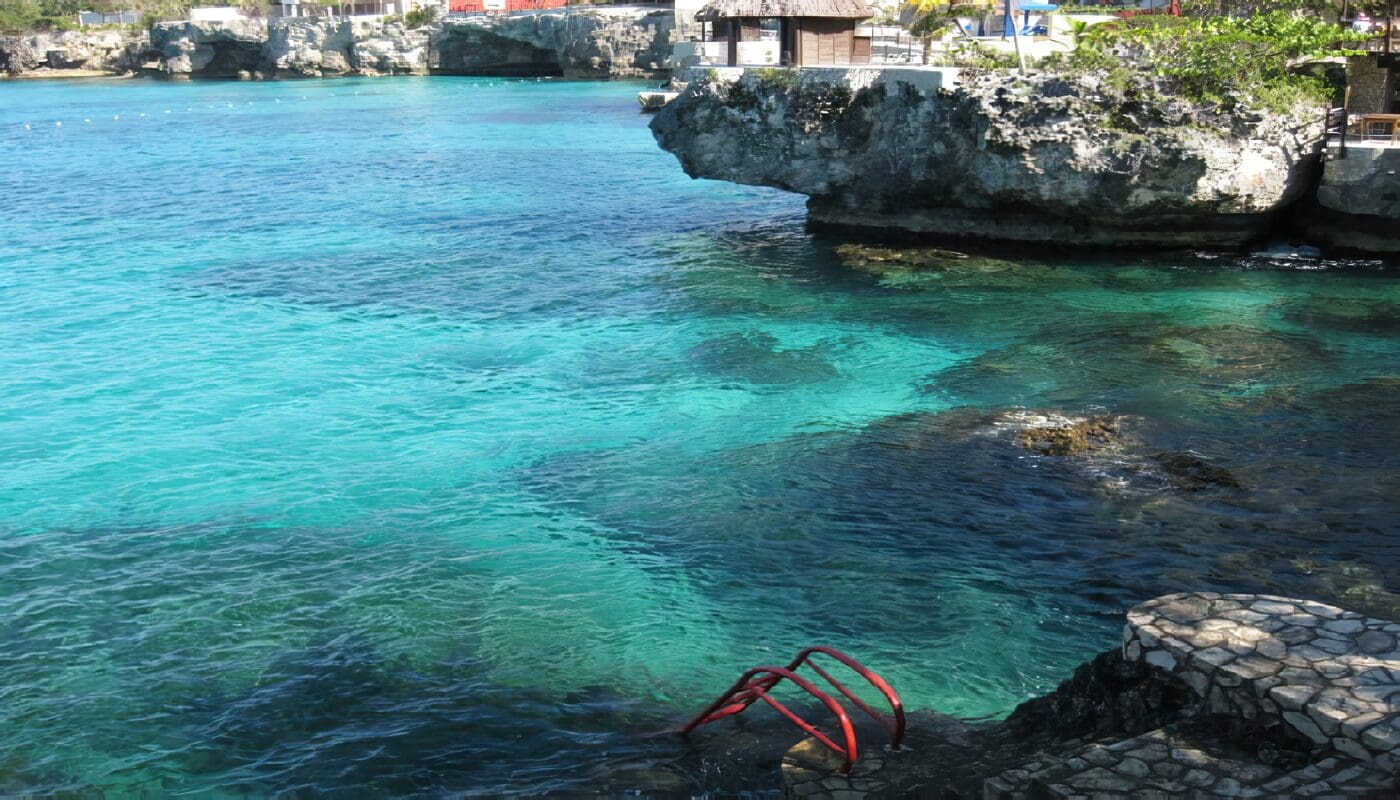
column 1210, row 695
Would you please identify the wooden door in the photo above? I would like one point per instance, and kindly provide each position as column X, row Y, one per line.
column 861, row 53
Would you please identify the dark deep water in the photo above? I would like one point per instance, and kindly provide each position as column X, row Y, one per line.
column 439, row 435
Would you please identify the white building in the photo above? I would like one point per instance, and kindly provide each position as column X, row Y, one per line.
column 108, row 17
column 216, row 14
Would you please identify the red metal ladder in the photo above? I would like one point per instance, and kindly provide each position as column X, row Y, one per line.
column 757, row 683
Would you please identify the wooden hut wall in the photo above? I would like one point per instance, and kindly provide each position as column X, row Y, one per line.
column 827, row 42
column 741, row 29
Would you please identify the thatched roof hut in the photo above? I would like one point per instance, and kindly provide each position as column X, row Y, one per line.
column 810, row 32
column 769, row 9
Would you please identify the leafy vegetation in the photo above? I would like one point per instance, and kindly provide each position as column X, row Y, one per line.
column 1232, row 61
column 417, row 17
column 25, row 16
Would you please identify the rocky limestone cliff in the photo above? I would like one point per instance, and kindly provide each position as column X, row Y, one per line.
column 295, row 48
column 321, row 48
column 107, row 50
column 601, row 43
column 209, row 49
column 1037, row 158
column 587, row 44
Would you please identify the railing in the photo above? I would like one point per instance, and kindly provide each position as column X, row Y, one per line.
column 1334, row 123
column 757, row 683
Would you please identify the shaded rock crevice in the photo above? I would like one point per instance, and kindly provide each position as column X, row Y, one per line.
column 597, row 44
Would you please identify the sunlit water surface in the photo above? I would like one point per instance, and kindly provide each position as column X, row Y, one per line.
column 438, row 435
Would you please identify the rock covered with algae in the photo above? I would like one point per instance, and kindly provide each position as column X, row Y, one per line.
column 1071, row 437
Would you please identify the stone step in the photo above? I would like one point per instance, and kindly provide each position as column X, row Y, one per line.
column 1331, row 676
column 1175, row 763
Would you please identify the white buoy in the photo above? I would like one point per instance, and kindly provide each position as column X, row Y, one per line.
column 143, row 113
column 26, row 126
column 189, row 109
column 87, row 119
column 58, row 124
column 116, row 116
column 167, row 111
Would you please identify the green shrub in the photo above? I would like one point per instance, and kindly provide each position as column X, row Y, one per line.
column 773, row 78
column 1245, row 61
column 418, row 17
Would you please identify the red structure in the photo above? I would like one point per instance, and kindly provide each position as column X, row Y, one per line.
column 477, row 6
column 759, row 681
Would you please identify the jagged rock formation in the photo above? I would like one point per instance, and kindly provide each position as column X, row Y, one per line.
column 319, row 48
column 114, row 51
column 1039, row 158
column 601, row 43
column 296, row 48
column 210, row 49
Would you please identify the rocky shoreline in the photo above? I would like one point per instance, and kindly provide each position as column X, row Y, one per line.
column 592, row 44
column 1044, row 158
column 1210, row 695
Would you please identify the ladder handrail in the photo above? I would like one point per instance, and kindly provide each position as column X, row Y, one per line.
column 895, row 728
column 756, row 683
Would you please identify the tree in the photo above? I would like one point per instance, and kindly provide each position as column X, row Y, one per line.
column 929, row 19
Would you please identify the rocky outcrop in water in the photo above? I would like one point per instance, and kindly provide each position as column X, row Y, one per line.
column 113, row 51
column 1037, row 158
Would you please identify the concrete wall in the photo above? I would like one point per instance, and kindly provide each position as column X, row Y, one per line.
column 1372, row 87
column 215, row 14
column 1358, row 201
column 926, row 79
column 1366, row 182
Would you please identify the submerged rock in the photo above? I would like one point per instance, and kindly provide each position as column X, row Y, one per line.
column 754, row 357
column 1071, row 437
column 1190, row 472
column 1132, row 360
column 887, row 259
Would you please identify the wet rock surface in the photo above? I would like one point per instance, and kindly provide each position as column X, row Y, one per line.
column 1190, row 472
column 1070, row 437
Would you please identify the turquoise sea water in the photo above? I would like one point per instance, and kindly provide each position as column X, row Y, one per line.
column 440, row 435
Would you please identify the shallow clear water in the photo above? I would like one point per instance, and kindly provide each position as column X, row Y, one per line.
column 441, row 435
